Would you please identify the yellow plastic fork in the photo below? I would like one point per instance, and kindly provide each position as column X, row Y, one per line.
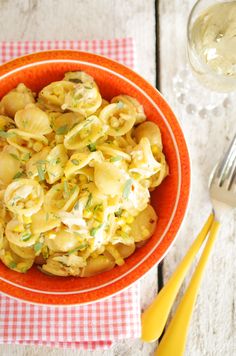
column 223, row 195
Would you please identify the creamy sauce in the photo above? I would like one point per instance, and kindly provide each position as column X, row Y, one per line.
column 213, row 36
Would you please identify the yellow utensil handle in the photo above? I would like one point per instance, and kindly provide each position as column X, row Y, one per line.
column 174, row 340
column 155, row 316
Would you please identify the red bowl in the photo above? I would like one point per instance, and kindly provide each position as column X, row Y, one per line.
column 170, row 199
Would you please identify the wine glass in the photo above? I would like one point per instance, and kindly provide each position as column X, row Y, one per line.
column 210, row 75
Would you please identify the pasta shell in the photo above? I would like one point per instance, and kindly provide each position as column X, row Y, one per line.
column 144, row 224
column 44, row 221
column 84, row 98
column 132, row 104
column 143, row 161
column 118, row 120
column 85, row 133
column 53, row 95
column 56, row 161
column 21, row 239
column 16, row 100
column 61, row 196
column 33, row 120
column 8, row 168
column 38, row 159
column 26, row 142
column 24, row 197
column 65, row 122
column 108, row 178
column 149, row 130
column 81, row 160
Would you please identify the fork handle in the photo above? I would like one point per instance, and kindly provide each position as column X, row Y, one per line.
column 174, row 340
column 155, row 316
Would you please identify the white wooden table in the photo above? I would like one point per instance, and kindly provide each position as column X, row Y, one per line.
column 213, row 328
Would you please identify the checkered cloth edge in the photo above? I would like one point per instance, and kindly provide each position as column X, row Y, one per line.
column 92, row 326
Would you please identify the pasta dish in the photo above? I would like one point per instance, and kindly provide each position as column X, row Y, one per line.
column 76, row 173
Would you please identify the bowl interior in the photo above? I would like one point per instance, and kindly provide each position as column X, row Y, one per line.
column 165, row 198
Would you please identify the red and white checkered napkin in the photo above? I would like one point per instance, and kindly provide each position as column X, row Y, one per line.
column 90, row 326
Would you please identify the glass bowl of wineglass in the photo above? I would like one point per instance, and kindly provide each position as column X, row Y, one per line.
column 211, row 48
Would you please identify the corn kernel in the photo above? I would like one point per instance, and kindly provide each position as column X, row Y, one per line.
column 18, row 228
column 87, row 214
column 27, row 219
column 125, row 214
column 96, row 224
column 155, row 149
column 129, row 219
column 114, row 122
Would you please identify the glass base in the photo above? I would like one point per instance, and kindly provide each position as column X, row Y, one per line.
column 198, row 99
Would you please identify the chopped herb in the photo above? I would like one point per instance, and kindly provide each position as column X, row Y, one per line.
column 37, row 246
column 89, row 200
column 15, row 156
column 66, row 190
column 62, row 130
column 75, row 80
column 94, row 230
column 115, row 158
column 47, row 216
column 88, row 121
column 26, row 157
column 80, row 247
column 76, row 207
column 120, row 105
column 76, row 162
column 18, row 175
column 118, row 213
column 12, row 265
column 55, row 161
column 40, row 173
column 30, row 174
column 73, row 189
column 45, row 252
column 26, row 236
column 98, row 207
column 92, row 147
column 127, row 188
column 88, row 87
column 5, row 134
column 41, row 162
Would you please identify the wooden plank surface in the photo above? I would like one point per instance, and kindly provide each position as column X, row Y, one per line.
column 86, row 19
column 213, row 328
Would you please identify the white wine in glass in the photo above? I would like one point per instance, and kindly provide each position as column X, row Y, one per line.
column 212, row 44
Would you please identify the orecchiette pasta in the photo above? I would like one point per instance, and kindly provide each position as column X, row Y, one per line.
column 75, row 176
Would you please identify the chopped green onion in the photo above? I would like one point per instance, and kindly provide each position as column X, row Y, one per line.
column 18, row 175
column 37, row 246
column 76, row 162
column 5, row 134
column 98, row 207
column 62, row 130
column 89, row 200
column 47, row 216
column 80, row 247
column 15, row 156
column 76, row 207
column 115, row 158
column 40, row 173
column 94, row 230
column 66, row 189
column 26, row 157
column 92, row 147
column 41, row 162
column 127, row 188
column 118, row 212
column 26, row 236
column 12, row 265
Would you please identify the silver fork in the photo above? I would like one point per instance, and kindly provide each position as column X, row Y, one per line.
column 222, row 188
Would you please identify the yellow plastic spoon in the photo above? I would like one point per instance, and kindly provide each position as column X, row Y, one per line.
column 155, row 316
